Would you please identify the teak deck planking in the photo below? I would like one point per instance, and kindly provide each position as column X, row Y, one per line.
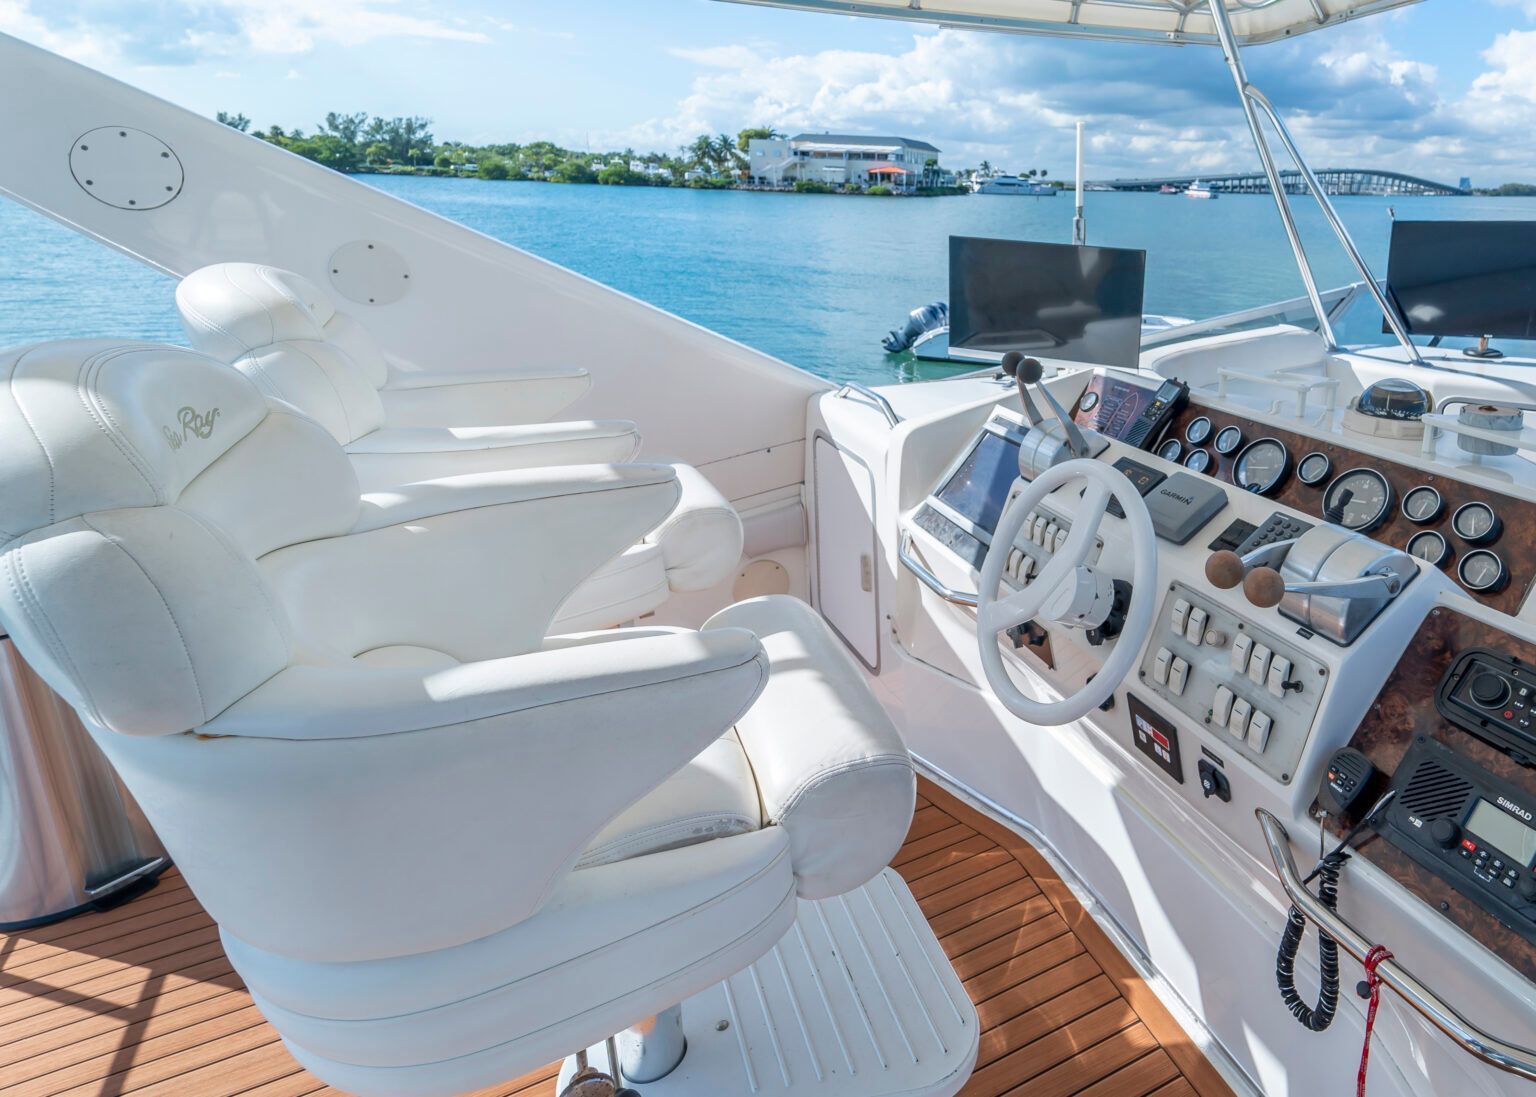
column 141, row 1000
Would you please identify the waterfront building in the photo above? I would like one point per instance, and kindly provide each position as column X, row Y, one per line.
column 835, row 158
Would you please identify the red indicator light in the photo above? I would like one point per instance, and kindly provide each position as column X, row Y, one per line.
column 1468, row 844
column 1162, row 740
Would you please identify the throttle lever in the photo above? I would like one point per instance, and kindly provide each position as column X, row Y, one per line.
column 1265, row 587
column 1028, row 371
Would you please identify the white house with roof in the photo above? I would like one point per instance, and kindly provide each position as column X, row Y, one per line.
column 838, row 158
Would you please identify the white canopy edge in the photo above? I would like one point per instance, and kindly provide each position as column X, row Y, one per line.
column 1171, row 22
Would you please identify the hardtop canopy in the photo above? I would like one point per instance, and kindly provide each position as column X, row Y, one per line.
column 1175, row 22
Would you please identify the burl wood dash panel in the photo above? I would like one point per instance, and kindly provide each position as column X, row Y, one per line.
column 1121, row 401
column 1404, row 709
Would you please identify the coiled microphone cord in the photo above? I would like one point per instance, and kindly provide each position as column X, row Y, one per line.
column 1318, row 1017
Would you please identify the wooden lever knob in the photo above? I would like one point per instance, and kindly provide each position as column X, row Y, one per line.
column 1264, row 587
column 1225, row 569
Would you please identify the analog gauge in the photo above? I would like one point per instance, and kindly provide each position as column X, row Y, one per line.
column 1261, row 466
column 1476, row 523
column 1482, row 571
column 1228, row 439
column 1423, row 504
column 1197, row 460
column 1089, row 401
column 1314, row 468
column 1359, row 499
column 1171, row 450
column 1429, row 546
column 1198, row 431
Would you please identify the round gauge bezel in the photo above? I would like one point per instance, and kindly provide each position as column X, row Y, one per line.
column 1313, row 481
column 1274, row 481
column 1205, row 460
column 1487, row 588
column 1386, row 506
column 1178, row 450
column 1436, row 513
column 1200, row 426
column 1230, row 428
column 1088, row 401
column 1445, row 547
column 1495, row 527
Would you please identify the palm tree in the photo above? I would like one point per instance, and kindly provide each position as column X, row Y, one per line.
column 728, row 158
column 702, row 151
column 986, row 167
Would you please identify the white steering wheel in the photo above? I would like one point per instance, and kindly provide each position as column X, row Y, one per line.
column 1065, row 587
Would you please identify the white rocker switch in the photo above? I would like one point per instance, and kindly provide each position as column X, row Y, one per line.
column 1258, row 664
column 1258, row 731
column 1037, row 534
column 1178, row 676
column 1061, row 539
column 1160, row 663
column 1180, row 617
column 1241, row 647
column 1279, row 675
column 1052, row 531
column 1221, row 708
column 1015, row 559
column 1238, row 724
column 1195, row 631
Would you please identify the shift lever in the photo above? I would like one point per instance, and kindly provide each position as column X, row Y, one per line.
column 1265, row 587
column 1028, row 371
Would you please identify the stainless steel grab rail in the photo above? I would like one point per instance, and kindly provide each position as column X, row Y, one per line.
column 1504, row 1055
column 870, row 394
column 929, row 579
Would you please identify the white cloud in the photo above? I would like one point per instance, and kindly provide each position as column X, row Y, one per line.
column 180, row 31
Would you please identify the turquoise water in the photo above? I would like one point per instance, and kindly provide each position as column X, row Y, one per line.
column 813, row 279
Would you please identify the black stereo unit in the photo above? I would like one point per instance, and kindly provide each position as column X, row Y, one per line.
column 1474, row 830
column 1493, row 697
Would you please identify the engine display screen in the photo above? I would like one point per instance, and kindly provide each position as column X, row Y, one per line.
column 1503, row 831
column 979, row 487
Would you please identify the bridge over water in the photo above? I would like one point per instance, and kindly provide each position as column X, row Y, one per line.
column 1335, row 181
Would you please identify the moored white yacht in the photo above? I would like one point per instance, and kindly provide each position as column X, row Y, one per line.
column 480, row 740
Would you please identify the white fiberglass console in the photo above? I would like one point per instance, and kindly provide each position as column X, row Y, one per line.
column 1255, row 669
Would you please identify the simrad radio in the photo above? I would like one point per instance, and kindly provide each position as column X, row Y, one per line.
column 1474, row 830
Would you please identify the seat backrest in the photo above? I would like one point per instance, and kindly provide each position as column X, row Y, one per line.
column 139, row 483
column 284, row 332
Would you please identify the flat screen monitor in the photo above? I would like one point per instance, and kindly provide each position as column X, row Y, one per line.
column 1468, row 278
column 1078, row 304
column 979, row 487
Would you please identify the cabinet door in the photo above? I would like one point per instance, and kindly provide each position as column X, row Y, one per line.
column 846, row 551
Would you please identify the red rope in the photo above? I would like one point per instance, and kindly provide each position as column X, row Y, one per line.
column 1373, row 960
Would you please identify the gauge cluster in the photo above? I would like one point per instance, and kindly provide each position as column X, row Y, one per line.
column 1483, row 540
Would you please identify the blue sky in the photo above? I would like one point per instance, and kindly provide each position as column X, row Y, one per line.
column 1444, row 88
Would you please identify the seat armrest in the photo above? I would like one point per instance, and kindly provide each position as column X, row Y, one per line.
column 831, row 767
column 375, row 795
column 474, row 567
column 481, row 398
column 403, row 455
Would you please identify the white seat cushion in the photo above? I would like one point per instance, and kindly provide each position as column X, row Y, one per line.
column 701, row 539
column 390, row 456
column 713, row 796
column 627, row 587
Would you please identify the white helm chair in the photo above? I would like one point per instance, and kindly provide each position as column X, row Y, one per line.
column 282, row 331
column 441, row 849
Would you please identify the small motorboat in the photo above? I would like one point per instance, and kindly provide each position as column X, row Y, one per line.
column 920, row 322
column 1198, row 189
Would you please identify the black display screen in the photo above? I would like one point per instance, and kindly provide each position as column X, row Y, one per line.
column 1079, row 304
column 1470, row 278
column 979, row 487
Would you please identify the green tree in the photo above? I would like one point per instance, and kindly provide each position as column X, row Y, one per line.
column 701, row 152
column 492, row 169
column 348, row 127
column 755, row 133
column 728, row 157
column 376, row 153
column 442, row 160
column 234, row 121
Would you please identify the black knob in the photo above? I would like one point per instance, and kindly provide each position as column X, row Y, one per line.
column 1444, row 833
column 1527, row 887
column 1489, row 690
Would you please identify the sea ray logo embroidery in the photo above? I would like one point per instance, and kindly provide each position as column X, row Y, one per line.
column 192, row 424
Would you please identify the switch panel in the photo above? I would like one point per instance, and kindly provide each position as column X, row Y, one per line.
column 1043, row 534
column 1259, row 694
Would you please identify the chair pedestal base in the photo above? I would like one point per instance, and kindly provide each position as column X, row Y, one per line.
column 857, row 1000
